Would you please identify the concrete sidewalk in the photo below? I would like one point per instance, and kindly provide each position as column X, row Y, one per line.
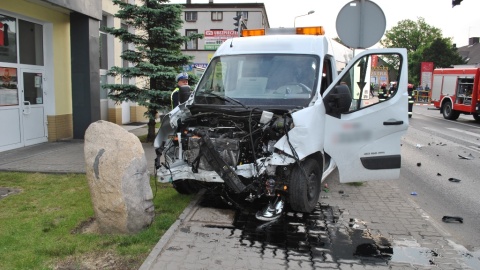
column 61, row 157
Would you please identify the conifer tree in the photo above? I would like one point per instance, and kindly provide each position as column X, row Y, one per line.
column 154, row 57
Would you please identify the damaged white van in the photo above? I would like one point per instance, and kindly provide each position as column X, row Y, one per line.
column 270, row 119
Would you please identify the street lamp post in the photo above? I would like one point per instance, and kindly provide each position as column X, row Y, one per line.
column 310, row 12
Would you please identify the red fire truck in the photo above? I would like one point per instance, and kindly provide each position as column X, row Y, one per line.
column 457, row 90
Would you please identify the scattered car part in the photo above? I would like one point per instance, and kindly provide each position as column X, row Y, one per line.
column 449, row 219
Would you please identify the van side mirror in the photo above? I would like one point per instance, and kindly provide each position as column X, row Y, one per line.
column 184, row 93
column 338, row 100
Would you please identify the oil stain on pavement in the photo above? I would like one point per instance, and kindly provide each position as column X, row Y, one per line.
column 319, row 237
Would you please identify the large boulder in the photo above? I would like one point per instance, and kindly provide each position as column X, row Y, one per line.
column 118, row 178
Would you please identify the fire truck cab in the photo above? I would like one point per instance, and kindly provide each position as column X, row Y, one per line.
column 270, row 118
column 455, row 91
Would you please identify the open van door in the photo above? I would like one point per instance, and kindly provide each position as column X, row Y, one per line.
column 362, row 133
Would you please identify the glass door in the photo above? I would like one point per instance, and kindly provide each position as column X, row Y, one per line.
column 32, row 107
column 11, row 133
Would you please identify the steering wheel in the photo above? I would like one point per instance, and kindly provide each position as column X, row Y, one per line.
column 305, row 89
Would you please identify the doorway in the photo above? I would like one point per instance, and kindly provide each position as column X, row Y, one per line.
column 22, row 108
column 32, row 96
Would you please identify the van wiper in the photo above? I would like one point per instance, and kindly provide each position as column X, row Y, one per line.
column 226, row 98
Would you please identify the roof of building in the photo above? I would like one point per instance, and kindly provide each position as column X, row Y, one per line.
column 471, row 53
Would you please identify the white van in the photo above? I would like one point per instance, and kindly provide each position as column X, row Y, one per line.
column 270, row 119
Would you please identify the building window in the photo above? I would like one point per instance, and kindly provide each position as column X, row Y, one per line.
column 103, row 44
column 244, row 14
column 190, row 16
column 217, row 16
column 8, row 39
column 30, row 43
column 191, row 44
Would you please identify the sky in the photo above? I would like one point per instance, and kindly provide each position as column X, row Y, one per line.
column 458, row 23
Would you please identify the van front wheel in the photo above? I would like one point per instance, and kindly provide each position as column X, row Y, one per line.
column 305, row 186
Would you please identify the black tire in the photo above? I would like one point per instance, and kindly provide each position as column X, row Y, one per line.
column 476, row 116
column 448, row 111
column 304, row 194
column 409, row 116
column 186, row 186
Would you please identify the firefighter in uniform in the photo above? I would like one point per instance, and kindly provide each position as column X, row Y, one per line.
column 392, row 90
column 181, row 79
column 382, row 92
column 410, row 100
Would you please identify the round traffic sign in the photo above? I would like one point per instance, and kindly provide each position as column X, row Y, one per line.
column 360, row 24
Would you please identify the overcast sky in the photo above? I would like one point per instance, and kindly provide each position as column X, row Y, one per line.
column 459, row 23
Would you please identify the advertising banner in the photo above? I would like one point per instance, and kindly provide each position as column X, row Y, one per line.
column 214, row 38
column 426, row 75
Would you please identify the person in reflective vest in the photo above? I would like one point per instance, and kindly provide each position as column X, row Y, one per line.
column 181, row 79
column 410, row 100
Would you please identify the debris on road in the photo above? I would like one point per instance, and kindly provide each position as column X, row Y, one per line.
column 469, row 157
column 414, row 193
column 455, row 180
column 419, row 146
column 439, row 174
column 419, row 164
column 449, row 219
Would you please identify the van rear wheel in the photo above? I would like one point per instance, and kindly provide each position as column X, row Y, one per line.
column 448, row 111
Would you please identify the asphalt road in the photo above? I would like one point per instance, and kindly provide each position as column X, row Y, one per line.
column 431, row 153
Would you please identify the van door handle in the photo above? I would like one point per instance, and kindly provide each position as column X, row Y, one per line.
column 392, row 123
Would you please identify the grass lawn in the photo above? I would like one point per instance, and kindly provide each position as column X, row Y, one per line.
column 39, row 225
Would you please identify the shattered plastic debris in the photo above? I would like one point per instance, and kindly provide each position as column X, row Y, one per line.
column 455, row 180
column 414, row 193
column 452, row 219
column 469, row 157
column 325, row 188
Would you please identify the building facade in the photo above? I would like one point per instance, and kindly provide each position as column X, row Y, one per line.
column 216, row 22
column 51, row 52
column 54, row 57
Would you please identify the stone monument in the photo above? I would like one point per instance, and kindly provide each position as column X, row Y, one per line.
column 116, row 169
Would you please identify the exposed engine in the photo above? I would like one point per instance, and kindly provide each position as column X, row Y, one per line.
column 235, row 146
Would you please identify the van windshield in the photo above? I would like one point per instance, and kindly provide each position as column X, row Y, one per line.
column 261, row 79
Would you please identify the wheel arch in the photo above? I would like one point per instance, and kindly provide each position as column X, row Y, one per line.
column 320, row 157
column 445, row 99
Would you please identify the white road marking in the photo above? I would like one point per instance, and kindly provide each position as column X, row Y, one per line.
column 465, row 132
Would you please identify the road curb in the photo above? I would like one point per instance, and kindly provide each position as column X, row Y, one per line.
column 154, row 254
